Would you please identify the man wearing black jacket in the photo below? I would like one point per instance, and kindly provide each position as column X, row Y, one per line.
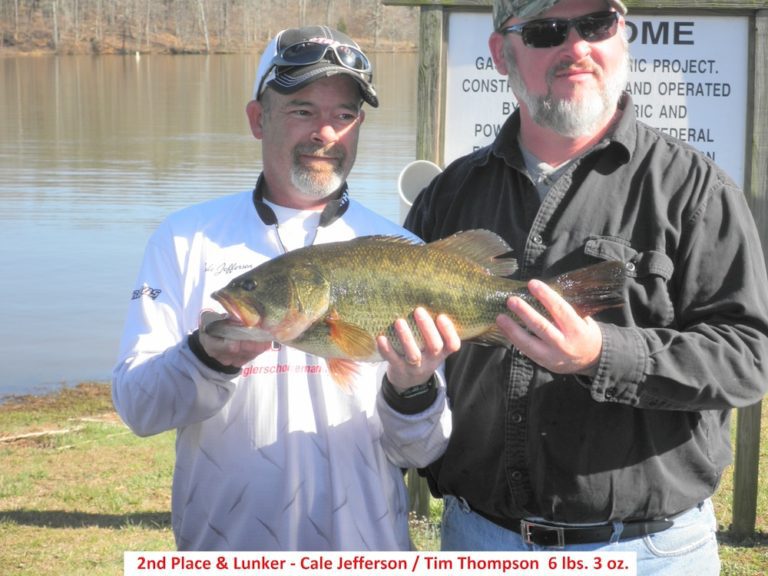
column 612, row 432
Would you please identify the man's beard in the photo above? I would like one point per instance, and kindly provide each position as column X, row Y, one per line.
column 314, row 183
column 571, row 118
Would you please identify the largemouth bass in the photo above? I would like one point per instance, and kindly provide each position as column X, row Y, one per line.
column 333, row 300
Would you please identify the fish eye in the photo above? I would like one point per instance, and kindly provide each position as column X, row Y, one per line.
column 248, row 285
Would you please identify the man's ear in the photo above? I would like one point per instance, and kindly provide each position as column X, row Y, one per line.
column 496, row 46
column 255, row 112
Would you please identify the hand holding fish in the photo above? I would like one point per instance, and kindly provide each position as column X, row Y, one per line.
column 232, row 352
column 415, row 366
column 566, row 344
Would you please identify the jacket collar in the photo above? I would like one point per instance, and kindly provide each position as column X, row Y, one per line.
column 333, row 210
column 622, row 137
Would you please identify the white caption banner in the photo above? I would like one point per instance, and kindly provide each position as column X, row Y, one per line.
column 381, row 563
column 689, row 78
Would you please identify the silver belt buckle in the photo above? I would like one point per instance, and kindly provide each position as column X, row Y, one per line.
column 527, row 533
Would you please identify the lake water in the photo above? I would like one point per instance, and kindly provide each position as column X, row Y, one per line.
column 95, row 151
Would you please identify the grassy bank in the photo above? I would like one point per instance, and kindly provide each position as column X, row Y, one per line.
column 77, row 489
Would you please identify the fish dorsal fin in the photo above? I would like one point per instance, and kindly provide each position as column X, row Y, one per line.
column 482, row 247
column 393, row 239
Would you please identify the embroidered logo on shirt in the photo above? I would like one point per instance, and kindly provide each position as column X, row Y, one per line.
column 146, row 291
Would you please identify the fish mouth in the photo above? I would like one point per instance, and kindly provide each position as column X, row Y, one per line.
column 238, row 315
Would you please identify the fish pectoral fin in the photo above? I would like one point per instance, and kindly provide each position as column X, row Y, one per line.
column 353, row 341
column 491, row 337
column 343, row 372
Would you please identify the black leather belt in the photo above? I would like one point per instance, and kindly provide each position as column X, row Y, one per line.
column 552, row 535
column 544, row 534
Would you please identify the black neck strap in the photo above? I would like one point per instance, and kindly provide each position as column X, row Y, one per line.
column 332, row 211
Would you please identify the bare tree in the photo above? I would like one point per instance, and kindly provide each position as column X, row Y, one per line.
column 376, row 23
column 329, row 13
column 204, row 24
column 187, row 25
column 55, row 24
column 302, row 12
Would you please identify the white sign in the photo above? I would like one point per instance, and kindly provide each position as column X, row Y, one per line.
column 688, row 78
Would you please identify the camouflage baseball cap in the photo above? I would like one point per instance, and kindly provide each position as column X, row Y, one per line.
column 503, row 10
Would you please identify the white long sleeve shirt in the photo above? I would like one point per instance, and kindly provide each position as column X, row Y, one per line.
column 277, row 457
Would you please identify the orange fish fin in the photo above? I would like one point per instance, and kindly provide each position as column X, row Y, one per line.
column 483, row 247
column 491, row 337
column 343, row 372
column 352, row 340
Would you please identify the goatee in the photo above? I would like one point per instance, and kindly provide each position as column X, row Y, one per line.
column 316, row 183
column 576, row 117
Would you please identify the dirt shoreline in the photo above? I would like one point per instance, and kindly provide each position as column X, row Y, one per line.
column 64, row 394
column 111, row 49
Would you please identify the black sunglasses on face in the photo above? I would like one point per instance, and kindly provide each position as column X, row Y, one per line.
column 550, row 32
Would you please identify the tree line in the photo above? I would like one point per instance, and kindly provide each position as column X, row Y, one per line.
column 192, row 26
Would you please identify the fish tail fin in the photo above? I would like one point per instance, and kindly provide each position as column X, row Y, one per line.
column 593, row 288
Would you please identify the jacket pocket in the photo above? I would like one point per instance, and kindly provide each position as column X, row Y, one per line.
column 649, row 274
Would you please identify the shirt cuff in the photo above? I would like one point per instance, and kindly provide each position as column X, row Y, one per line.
column 197, row 349
column 621, row 369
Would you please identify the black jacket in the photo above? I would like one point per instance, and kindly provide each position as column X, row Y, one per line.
column 649, row 435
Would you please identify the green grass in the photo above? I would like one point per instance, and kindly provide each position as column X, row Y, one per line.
column 77, row 489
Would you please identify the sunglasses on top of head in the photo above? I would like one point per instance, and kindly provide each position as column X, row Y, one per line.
column 550, row 32
column 310, row 52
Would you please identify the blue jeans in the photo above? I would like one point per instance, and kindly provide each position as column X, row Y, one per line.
column 689, row 546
